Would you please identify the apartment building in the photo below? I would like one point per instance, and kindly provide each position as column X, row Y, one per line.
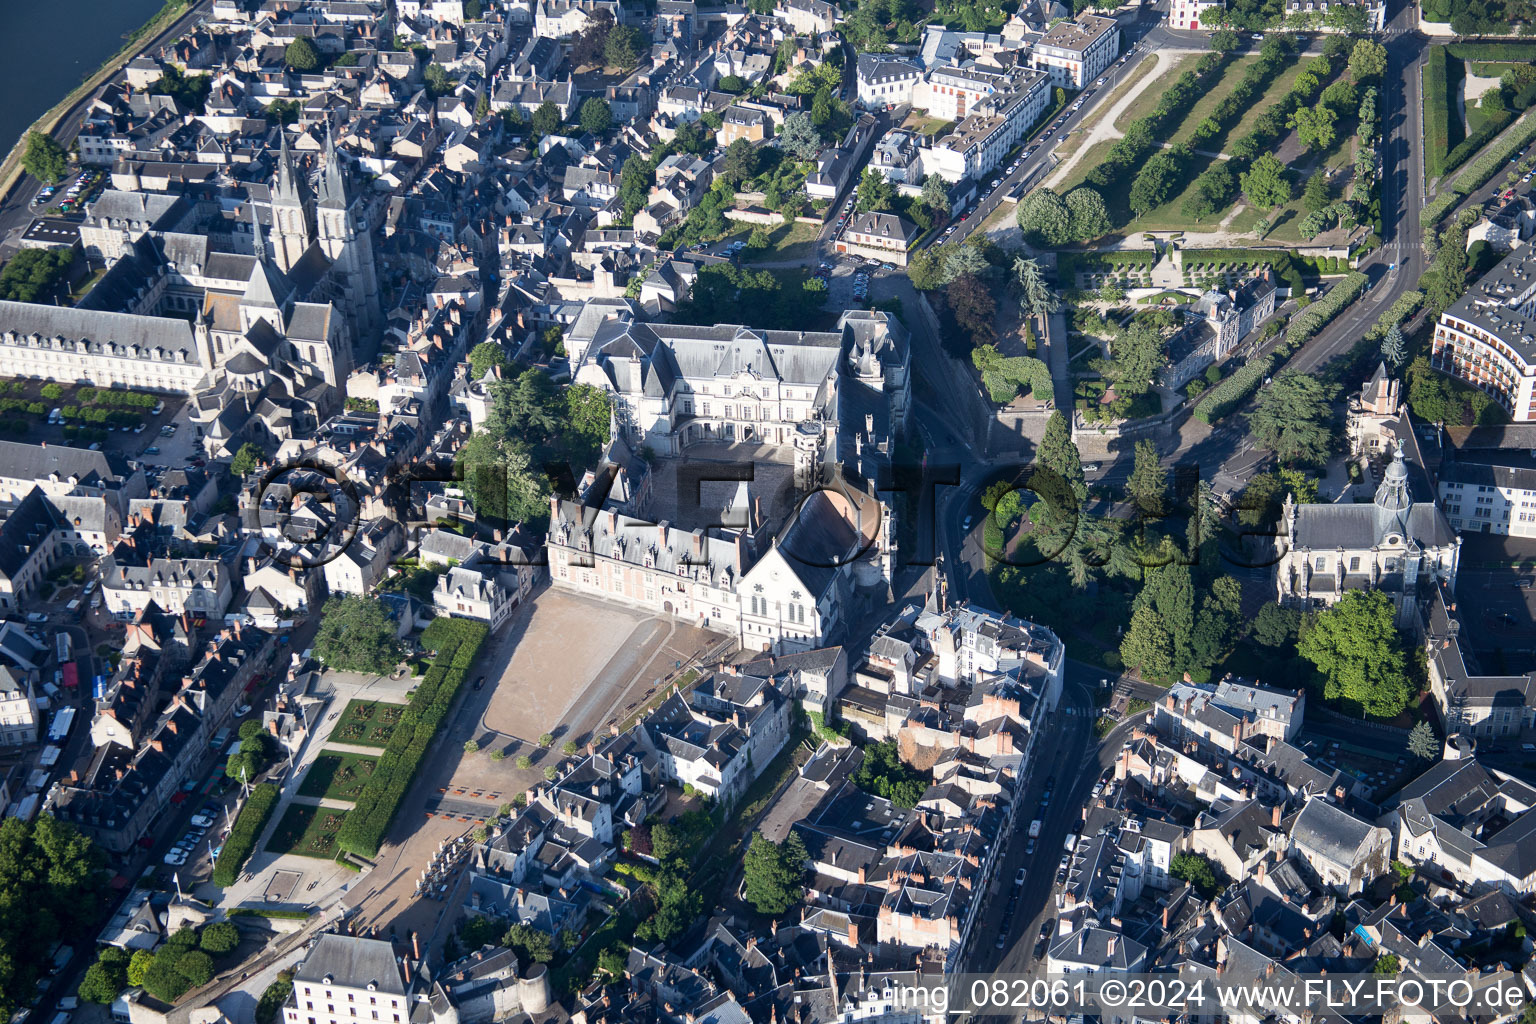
column 885, row 236
column 1075, row 53
column 1488, row 337
column 18, row 708
column 979, row 143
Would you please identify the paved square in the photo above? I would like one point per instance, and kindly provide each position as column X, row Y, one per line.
column 550, row 653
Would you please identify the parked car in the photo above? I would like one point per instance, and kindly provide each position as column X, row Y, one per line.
column 1018, row 877
column 153, row 449
column 242, row 710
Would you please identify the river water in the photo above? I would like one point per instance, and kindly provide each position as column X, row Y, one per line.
column 46, row 49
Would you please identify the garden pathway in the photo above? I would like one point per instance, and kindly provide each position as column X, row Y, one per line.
column 1104, row 129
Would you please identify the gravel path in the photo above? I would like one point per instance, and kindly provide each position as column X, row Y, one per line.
column 1105, row 128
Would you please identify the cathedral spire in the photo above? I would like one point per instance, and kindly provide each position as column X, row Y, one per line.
column 258, row 242
column 333, row 189
column 287, row 182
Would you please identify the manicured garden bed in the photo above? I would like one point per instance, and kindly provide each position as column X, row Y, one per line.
column 308, row 831
column 338, row 775
column 367, row 723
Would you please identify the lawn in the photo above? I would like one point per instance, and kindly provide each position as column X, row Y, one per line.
column 1206, row 104
column 1151, row 96
column 789, row 241
column 367, row 723
column 1090, row 160
column 337, row 775
column 1101, row 110
column 307, row 831
column 933, row 127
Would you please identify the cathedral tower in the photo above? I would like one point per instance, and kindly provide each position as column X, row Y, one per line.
column 346, row 241
column 290, row 221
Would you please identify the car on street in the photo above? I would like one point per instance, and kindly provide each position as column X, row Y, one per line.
column 242, row 710
column 175, row 858
column 1520, row 584
column 996, row 182
column 201, row 820
column 153, row 449
column 1099, row 82
column 1018, row 877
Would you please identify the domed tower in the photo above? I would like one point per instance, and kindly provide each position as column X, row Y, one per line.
column 1393, row 499
column 349, row 246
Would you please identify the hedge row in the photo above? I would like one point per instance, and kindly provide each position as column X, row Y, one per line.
column 456, row 642
column 1477, row 174
column 1402, row 309
column 242, row 837
column 1490, row 130
column 1316, row 316
column 1230, row 393
column 272, row 913
column 1437, row 112
column 1493, row 52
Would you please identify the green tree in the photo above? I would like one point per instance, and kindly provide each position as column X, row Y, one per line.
column 105, row 978
column 876, row 193
column 1034, row 294
column 438, row 81
column 1265, row 183
column 283, row 112
column 936, row 193
column 774, row 873
column 589, row 415
column 1393, row 349
column 219, row 938
column 611, row 963
column 1389, row 964
column 1153, row 183
column 1275, row 625
column 1198, row 871
column 1259, row 504
column 1058, row 453
column 798, row 137
column 1147, row 486
column 1044, row 218
column 524, row 762
column 1358, row 649
column 196, row 966
column 356, row 634
column 885, row 774
column 36, row 275
column 545, row 739
column 1367, row 61
column 1315, row 126
column 596, row 116
column 1293, row 417
column 246, row 459
column 45, row 159
column 138, row 964
column 546, row 119
column 484, row 356
column 1146, row 647
column 500, row 481
column 1089, row 216
column 1422, row 742
column 740, row 162
column 1315, row 195
column 530, row 944
column 303, row 55
column 623, row 47
column 274, row 997
column 1134, row 360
